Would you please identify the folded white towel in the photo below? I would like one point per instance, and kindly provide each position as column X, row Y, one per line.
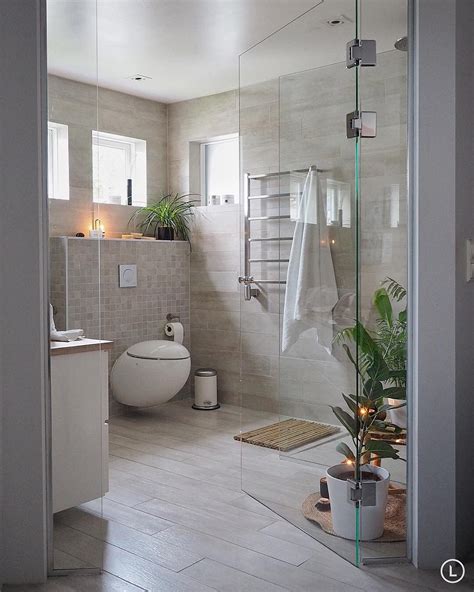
column 55, row 335
column 70, row 335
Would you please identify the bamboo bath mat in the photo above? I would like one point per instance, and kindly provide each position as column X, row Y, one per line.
column 287, row 434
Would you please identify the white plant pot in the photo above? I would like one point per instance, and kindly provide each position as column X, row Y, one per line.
column 343, row 511
column 398, row 416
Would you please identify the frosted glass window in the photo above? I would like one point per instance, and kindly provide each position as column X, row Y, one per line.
column 220, row 171
column 115, row 160
column 58, row 161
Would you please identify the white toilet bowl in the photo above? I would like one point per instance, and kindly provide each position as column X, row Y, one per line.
column 150, row 373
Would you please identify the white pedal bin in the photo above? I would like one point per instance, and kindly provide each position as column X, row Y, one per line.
column 205, row 389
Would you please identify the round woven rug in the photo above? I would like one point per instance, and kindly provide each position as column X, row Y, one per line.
column 395, row 517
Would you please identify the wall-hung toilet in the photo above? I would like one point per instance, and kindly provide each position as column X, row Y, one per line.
column 150, row 373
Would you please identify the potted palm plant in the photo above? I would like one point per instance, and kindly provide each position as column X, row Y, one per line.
column 381, row 373
column 168, row 218
column 391, row 336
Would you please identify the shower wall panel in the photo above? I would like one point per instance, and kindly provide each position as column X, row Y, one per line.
column 288, row 113
column 215, row 264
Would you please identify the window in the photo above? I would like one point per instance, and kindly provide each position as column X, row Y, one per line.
column 338, row 195
column 58, row 161
column 220, row 171
column 118, row 169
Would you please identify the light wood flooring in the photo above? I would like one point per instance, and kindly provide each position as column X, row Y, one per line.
column 176, row 518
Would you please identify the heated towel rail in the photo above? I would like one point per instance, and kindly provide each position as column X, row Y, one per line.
column 247, row 279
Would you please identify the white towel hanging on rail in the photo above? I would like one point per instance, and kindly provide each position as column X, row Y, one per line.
column 311, row 291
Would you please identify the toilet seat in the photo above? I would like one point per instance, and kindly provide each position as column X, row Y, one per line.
column 158, row 349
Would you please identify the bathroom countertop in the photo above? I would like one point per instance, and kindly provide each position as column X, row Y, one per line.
column 79, row 346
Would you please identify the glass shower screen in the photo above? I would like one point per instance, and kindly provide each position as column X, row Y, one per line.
column 308, row 265
column 79, row 390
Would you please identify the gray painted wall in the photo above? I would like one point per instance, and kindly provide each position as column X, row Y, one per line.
column 443, row 303
column 23, row 296
column 433, row 286
column 464, row 290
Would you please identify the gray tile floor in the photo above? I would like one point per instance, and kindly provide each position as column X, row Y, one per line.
column 176, row 519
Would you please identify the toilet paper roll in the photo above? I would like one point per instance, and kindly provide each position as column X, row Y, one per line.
column 175, row 330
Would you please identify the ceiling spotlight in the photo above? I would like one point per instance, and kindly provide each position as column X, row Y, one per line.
column 340, row 19
column 335, row 22
column 139, row 77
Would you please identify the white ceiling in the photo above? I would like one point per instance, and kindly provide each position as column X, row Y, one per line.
column 190, row 48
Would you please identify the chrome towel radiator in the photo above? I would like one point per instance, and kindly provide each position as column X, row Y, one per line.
column 247, row 279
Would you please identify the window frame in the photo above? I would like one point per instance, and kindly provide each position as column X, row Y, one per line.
column 130, row 147
column 58, row 161
column 234, row 137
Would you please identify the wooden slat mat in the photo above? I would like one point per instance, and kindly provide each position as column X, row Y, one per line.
column 287, row 434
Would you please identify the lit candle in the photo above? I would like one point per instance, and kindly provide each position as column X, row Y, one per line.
column 98, row 230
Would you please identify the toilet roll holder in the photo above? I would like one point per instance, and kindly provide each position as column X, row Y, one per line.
column 172, row 318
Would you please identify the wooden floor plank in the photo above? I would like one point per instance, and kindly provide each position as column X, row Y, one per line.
column 175, row 483
column 129, row 539
column 123, row 564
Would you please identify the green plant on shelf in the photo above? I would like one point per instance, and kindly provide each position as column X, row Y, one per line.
column 173, row 211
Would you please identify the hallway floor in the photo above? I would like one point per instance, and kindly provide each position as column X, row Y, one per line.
column 175, row 518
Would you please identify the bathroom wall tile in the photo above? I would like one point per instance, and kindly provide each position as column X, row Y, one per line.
column 309, row 121
column 213, row 319
column 211, row 340
column 224, row 244
column 216, row 261
column 262, row 323
column 225, row 362
column 58, row 284
column 86, row 295
column 219, row 281
column 75, row 104
column 255, row 343
column 216, row 300
column 257, row 365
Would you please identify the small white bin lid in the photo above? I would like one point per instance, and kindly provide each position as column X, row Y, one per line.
column 158, row 349
column 205, row 372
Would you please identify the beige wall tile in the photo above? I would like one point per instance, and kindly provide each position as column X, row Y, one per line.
column 86, row 294
column 83, row 110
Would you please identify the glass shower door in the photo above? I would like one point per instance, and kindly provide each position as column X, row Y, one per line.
column 299, row 263
column 79, row 370
column 306, row 269
column 383, row 256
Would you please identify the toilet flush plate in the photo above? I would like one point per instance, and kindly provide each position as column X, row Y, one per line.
column 127, row 276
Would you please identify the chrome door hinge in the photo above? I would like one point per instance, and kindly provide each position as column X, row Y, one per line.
column 361, row 124
column 361, row 52
column 363, row 492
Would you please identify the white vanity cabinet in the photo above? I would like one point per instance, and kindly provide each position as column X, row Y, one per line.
column 80, row 410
